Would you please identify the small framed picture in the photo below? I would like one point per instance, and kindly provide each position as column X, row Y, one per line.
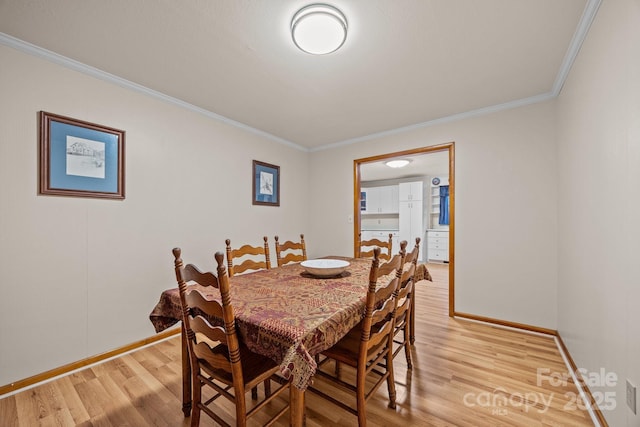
column 80, row 159
column 266, row 184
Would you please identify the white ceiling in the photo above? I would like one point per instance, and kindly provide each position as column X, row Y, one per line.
column 405, row 63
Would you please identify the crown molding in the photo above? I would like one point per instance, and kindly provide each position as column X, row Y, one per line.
column 452, row 118
column 588, row 15
column 72, row 64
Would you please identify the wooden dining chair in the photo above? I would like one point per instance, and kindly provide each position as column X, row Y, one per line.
column 365, row 247
column 367, row 347
column 248, row 257
column 406, row 305
column 290, row 251
column 219, row 360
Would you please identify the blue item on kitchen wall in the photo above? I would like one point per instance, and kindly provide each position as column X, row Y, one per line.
column 444, row 205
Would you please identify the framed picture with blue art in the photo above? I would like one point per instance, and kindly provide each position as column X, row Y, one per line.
column 266, row 184
column 80, row 159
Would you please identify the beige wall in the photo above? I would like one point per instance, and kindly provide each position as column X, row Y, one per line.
column 80, row 276
column 599, row 204
column 505, row 212
column 80, row 258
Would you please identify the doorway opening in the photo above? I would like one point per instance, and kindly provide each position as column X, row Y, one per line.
column 368, row 211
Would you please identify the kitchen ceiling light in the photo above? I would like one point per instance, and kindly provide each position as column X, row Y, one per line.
column 400, row 163
column 319, row 29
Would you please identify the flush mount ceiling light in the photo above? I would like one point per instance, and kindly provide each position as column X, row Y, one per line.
column 319, row 29
column 399, row 163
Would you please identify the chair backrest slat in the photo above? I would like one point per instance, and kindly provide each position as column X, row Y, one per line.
column 191, row 273
column 382, row 312
column 408, row 273
column 290, row 251
column 365, row 247
column 200, row 325
column 261, row 257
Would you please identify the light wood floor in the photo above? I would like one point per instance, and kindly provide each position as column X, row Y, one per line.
column 464, row 374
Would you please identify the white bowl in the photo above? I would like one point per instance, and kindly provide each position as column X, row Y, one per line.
column 325, row 267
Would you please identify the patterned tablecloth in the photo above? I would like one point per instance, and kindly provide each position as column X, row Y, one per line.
column 287, row 314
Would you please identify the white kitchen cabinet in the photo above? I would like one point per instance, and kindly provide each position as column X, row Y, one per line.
column 438, row 245
column 380, row 200
column 410, row 191
column 410, row 221
column 389, row 199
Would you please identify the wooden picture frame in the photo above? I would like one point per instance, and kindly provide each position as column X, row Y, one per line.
column 80, row 159
column 266, row 184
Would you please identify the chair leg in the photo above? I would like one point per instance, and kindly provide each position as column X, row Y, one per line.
column 254, row 393
column 197, row 397
column 267, row 388
column 241, row 409
column 241, row 416
column 407, row 346
column 412, row 320
column 391, row 385
column 186, row 374
column 361, row 400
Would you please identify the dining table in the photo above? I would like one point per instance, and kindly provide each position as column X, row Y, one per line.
column 283, row 313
